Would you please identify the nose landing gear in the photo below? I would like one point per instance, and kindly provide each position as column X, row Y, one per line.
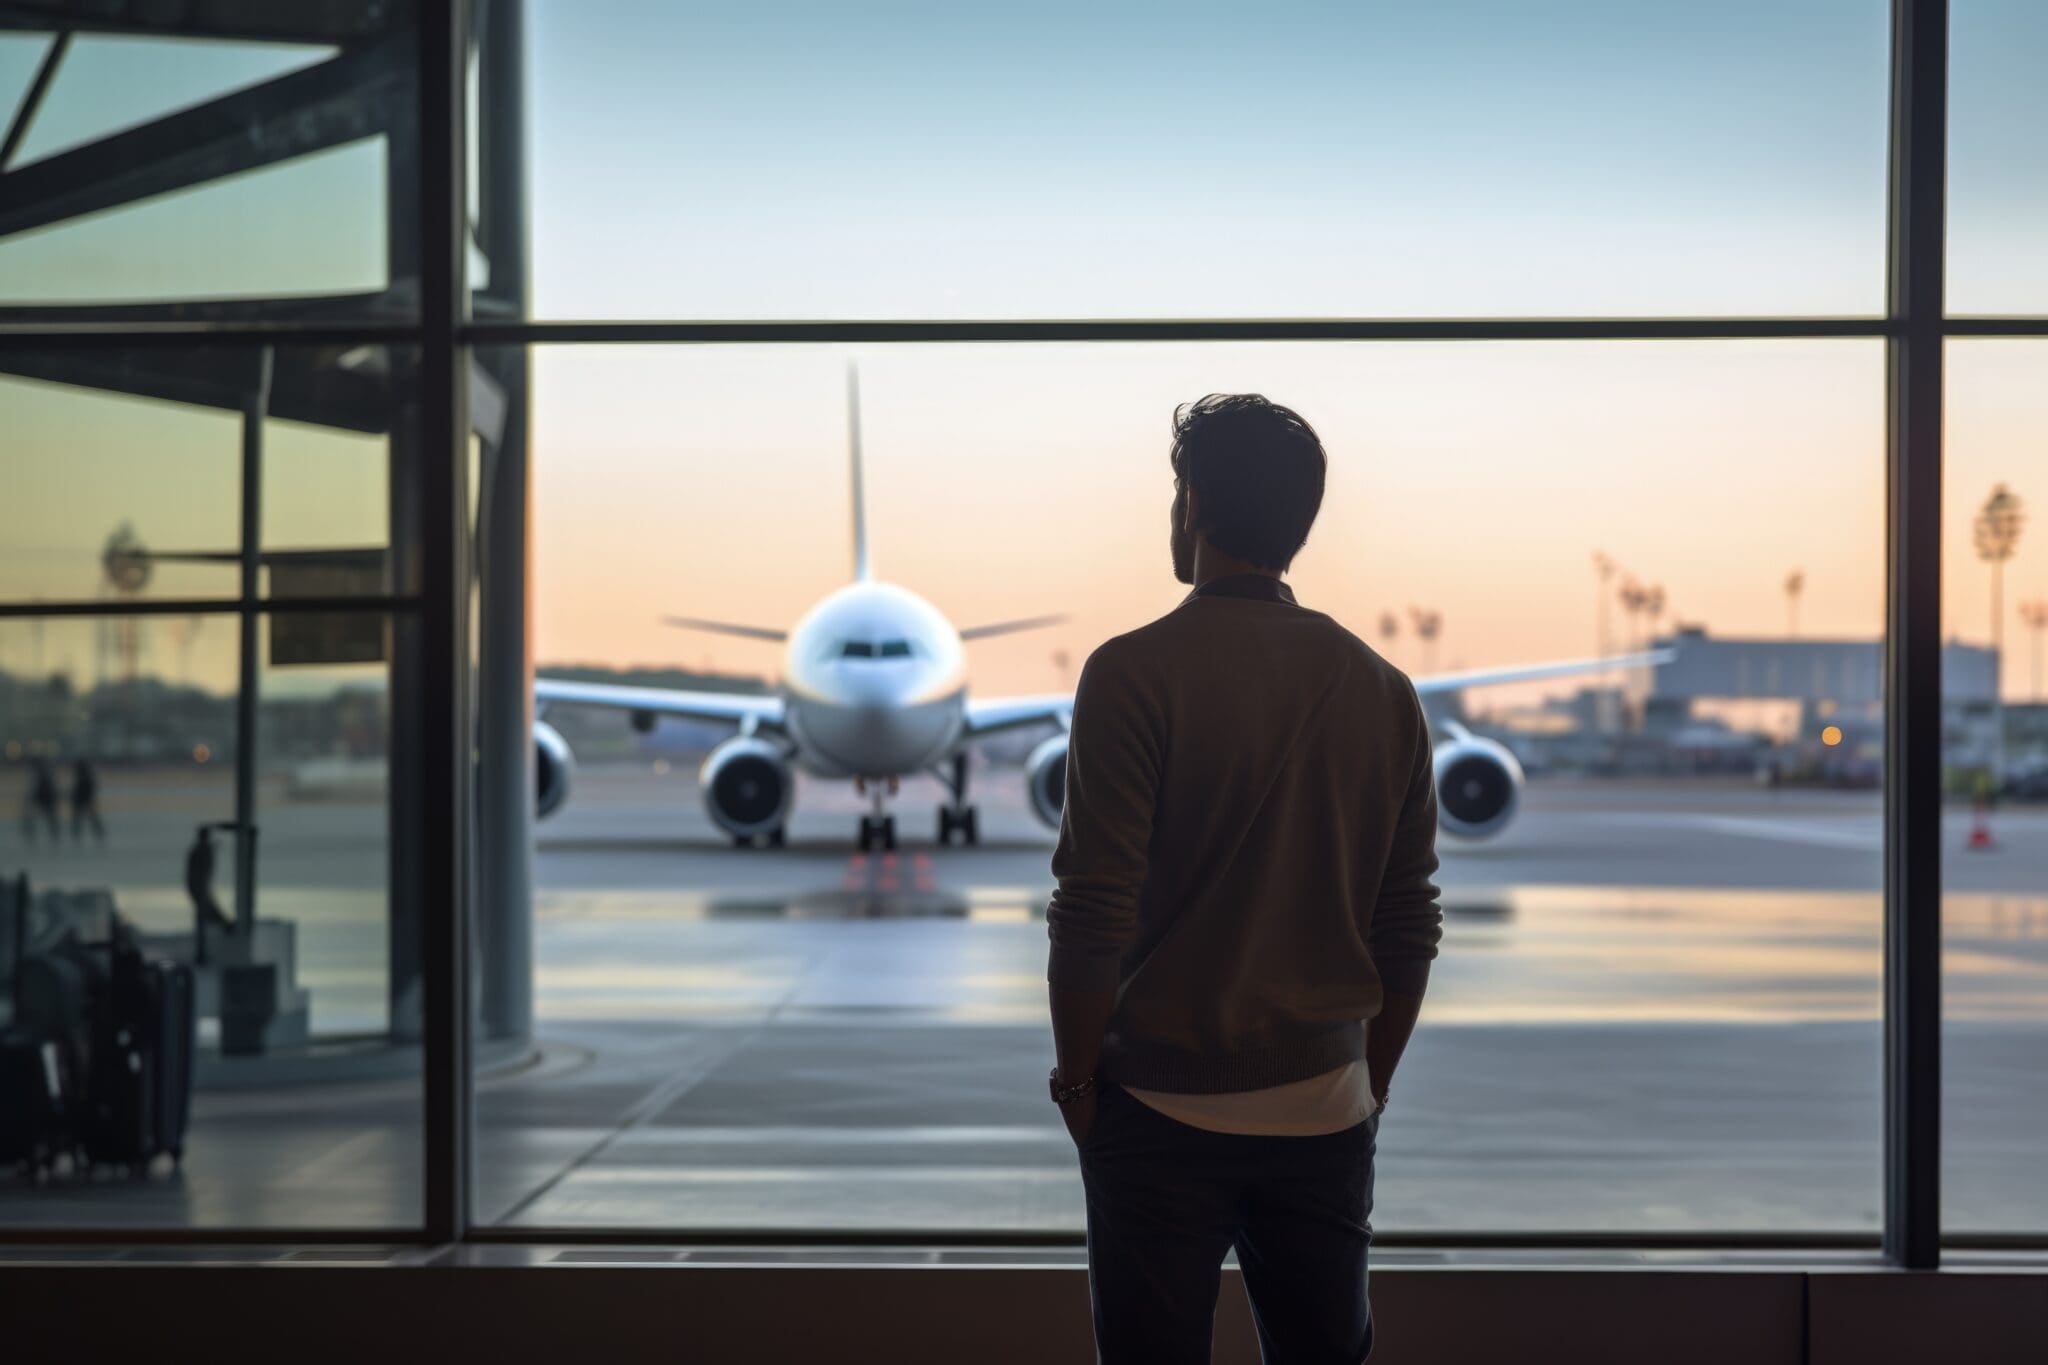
column 878, row 827
column 958, row 814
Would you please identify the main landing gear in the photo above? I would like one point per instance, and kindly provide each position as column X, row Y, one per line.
column 878, row 827
column 958, row 814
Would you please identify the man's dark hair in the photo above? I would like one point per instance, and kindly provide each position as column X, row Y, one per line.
column 1258, row 469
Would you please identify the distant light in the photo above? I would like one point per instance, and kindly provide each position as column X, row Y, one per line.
column 661, row 767
column 200, row 753
column 1831, row 736
column 1826, row 708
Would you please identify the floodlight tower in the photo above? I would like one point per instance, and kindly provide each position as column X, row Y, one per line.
column 1997, row 533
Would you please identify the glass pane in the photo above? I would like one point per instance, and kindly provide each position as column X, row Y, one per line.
column 316, row 226
column 199, row 160
column 107, row 84
column 295, row 1057
column 126, row 471
column 1480, row 157
column 1998, row 157
column 20, row 55
column 105, row 481
column 1665, row 967
column 1995, row 728
column 322, row 810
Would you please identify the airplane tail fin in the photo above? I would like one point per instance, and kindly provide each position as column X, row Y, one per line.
column 861, row 570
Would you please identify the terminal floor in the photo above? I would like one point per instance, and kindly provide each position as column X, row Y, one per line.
column 1654, row 1011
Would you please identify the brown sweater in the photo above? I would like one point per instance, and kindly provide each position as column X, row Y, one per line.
column 1248, row 842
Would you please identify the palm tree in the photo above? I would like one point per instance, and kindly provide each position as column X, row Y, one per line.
column 1653, row 607
column 1795, row 583
column 1390, row 630
column 1603, row 572
column 1635, row 600
column 1428, row 625
column 1998, row 527
column 1634, row 597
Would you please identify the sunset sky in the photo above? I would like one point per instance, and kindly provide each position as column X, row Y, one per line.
column 1460, row 159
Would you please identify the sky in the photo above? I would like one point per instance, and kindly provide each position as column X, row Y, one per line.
column 1599, row 157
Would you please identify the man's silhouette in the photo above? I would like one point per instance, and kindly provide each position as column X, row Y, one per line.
column 1244, row 872
column 85, row 803
column 199, row 882
column 41, row 807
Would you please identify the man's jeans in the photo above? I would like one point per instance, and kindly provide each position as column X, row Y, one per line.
column 1166, row 1201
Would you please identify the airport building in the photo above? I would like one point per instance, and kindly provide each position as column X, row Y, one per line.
column 612, row 1012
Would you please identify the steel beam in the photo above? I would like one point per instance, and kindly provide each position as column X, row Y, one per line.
column 1912, row 664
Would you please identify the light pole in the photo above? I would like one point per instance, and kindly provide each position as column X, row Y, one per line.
column 2035, row 613
column 1795, row 583
column 1998, row 527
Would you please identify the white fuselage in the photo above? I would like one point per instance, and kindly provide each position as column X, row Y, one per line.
column 874, row 679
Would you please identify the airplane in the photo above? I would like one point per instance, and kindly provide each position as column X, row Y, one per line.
column 874, row 689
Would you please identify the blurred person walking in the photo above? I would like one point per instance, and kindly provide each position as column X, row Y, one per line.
column 1244, row 921
column 41, row 806
column 85, row 803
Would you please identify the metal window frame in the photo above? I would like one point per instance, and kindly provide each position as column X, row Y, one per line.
column 1914, row 329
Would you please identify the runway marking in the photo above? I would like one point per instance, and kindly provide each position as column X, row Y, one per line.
column 798, row 1134
column 1754, row 828
column 1062, row 1174
column 1822, row 838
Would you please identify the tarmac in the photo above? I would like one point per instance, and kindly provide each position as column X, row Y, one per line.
column 1656, row 1010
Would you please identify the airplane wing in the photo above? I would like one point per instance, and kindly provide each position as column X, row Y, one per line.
column 1011, row 713
column 738, row 708
column 1486, row 677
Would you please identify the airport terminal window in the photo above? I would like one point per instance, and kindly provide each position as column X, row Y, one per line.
column 121, row 737
column 1465, row 159
column 1998, row 158
column 278, row 171
column 125, row 470
column 1995, row 858
column 99, row 480
column 1664, row 966
column 816, row 1010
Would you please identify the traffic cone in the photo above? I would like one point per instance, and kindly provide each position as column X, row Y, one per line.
column 1980, row 826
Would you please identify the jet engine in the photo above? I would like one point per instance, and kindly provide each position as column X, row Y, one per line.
column 553, row 766
column 1045, row 776
column 1478, row 783
column 747, row 786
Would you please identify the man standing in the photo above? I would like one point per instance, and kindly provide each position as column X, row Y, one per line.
column 85, row 803
column 1244, row 881
column 41, row 807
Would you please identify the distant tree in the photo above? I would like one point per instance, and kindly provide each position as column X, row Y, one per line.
column 1427, row 625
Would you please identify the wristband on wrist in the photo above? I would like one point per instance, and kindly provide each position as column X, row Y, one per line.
column 1066, row 1094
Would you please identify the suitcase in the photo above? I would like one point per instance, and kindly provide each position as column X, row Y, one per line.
column 138, row 1087
column 36, row 1063
column 34, row 1087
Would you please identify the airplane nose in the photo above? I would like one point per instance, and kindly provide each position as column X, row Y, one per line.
column 875, row 687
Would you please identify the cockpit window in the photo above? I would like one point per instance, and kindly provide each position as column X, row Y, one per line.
column 870, row 649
